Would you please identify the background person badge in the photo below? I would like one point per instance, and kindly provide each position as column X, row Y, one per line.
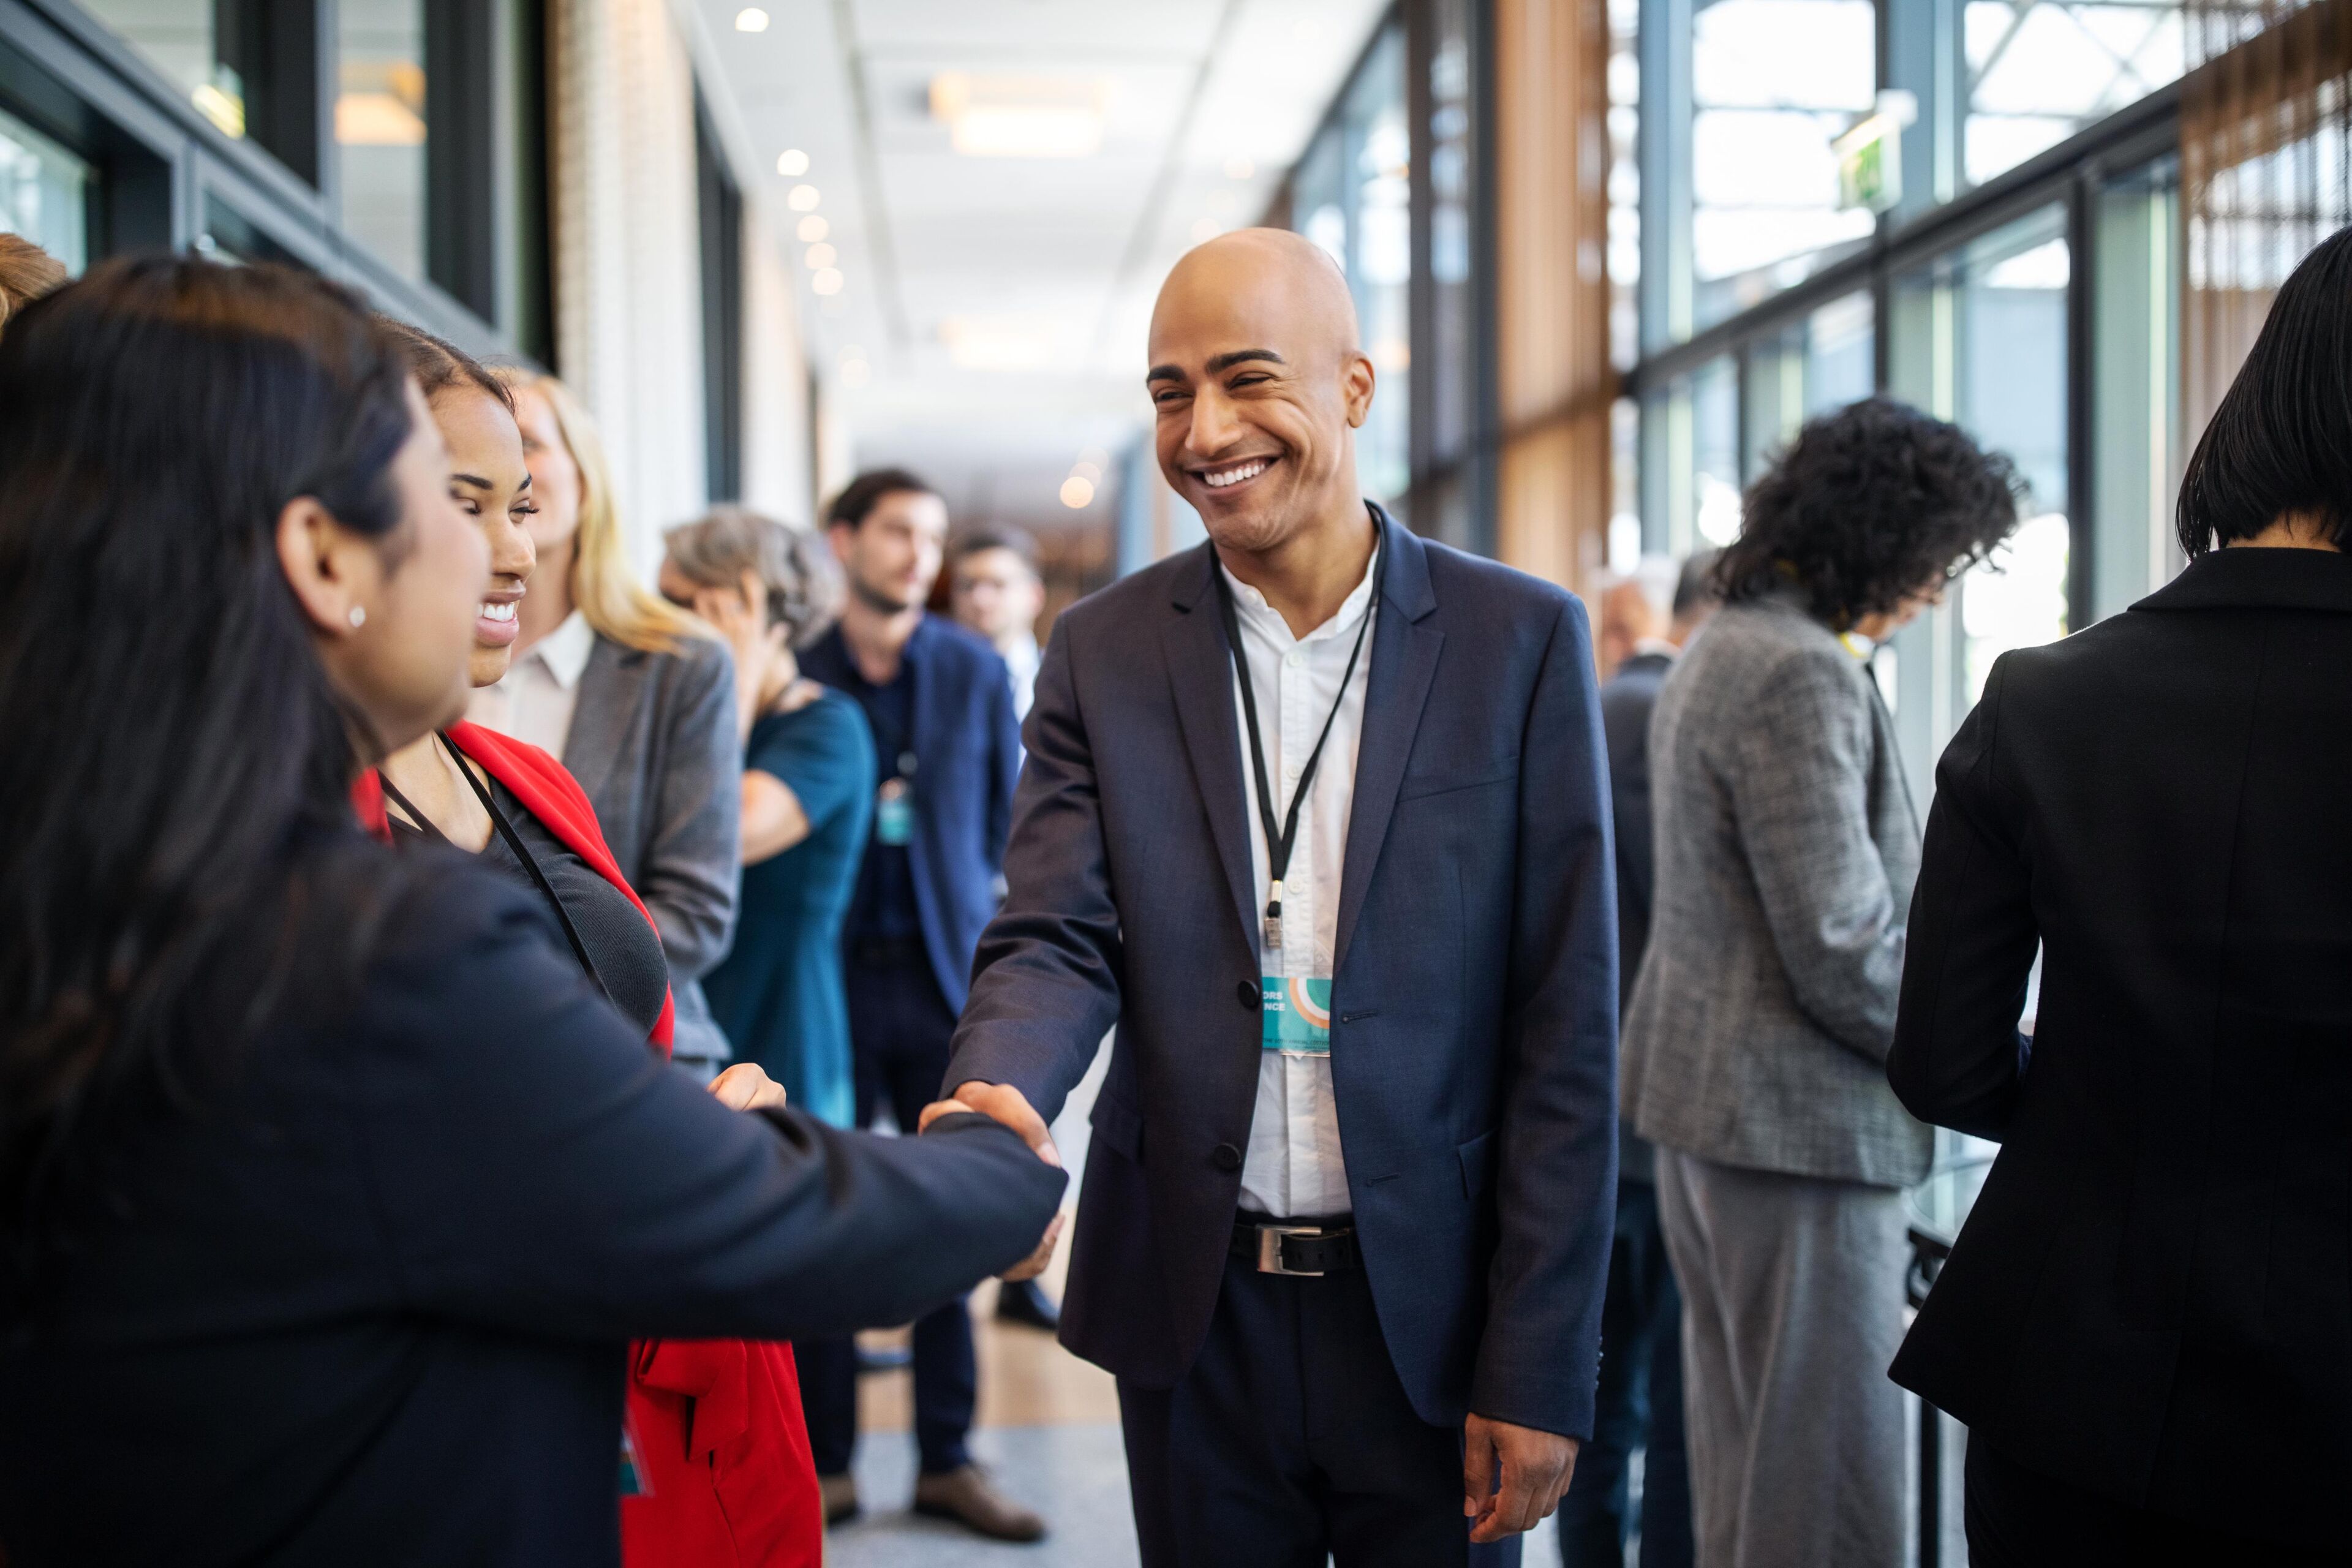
column 1296, row 1014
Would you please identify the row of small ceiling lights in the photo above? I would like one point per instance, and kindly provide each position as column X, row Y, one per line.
column 821, row 259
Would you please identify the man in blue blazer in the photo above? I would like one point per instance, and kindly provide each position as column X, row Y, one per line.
column 1346, row 1219
column 947, row 752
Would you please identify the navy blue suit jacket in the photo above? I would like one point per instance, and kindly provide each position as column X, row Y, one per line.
column 967, row 748
column 1474, row 1002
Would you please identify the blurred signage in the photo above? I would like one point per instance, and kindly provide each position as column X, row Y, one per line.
column 1870, row 155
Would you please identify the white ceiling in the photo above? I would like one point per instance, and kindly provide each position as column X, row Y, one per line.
column 1041, row 271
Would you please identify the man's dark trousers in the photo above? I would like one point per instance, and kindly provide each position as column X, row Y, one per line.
column 1290, row 1442
column 1639, row 1406
column 899, row 1027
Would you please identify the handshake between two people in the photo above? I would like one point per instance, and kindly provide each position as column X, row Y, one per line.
column 745, row 1087
column 1004, row 1103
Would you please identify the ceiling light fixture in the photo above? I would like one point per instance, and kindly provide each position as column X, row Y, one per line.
column 1239, row 168
column 1077, row 493
column 751, row 19
column 812, row 229
column 1019, row 117
column 803, row 199
column 855, row 374
column 821, row 256
column 791, row 163
column 1000, row 343
column 1207, row 230
column 1087, row 469
column 827, row 281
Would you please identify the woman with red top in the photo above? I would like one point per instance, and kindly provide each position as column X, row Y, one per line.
column 715, row 1465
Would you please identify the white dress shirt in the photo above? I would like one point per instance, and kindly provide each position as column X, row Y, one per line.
column 1022, row 660
column 533, row 703
column 1294, row 1169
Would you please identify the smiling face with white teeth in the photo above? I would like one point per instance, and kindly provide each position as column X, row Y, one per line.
column 489, row 482
column 1257, row 387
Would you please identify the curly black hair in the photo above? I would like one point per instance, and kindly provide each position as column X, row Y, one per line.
column 1866, row 508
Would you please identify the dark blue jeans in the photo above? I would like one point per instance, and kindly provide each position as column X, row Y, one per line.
column 1639, row 1406
column 899, row 1029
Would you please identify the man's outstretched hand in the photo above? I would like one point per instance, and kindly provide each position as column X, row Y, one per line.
column 1535, row 1465
column 999, row 1102
column 1002, row 1103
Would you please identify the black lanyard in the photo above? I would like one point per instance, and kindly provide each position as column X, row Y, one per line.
column 515, row 845
column 1281, row 836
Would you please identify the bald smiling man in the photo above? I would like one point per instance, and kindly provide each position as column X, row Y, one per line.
column 1317, row 816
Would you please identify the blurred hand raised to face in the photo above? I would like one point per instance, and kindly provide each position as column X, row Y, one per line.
column 1257, row 385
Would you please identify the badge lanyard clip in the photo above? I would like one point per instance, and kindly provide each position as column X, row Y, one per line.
column 1280, row 835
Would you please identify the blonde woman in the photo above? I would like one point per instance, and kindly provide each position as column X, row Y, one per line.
column 635, row 696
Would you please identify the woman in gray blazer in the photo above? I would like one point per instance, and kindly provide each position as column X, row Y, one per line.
column 1755, row 1044
column 635, row 696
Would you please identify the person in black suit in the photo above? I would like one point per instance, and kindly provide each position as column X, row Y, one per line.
column 2147, row 1320
column 332, row 1190
column 1316, row 813
column 1638, row 1405
column 939, row 703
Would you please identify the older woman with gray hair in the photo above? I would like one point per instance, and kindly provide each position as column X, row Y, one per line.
column 808, row 791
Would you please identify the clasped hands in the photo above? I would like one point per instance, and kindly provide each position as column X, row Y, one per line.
column 1002, row 1103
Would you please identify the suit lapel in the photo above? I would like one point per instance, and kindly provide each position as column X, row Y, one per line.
column 1200, row 673
column 1405, row 663
column 602, row 708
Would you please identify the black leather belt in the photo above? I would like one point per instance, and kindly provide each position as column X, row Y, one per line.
column 1284, row 1247
column 886, row 951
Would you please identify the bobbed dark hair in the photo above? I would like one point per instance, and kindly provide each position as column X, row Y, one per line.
column 2280, row 442
column 175, row 756
column 1868, row 506
column 861, row 495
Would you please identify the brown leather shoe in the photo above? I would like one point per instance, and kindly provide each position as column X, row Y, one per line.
column 964, row 1495
column 840, row 1494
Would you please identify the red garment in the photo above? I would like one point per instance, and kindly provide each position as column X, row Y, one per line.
column 717, row 1426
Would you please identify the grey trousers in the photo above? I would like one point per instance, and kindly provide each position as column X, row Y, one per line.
column 1793, row 1309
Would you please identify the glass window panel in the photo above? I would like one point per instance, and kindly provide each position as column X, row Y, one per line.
column 1980, row 338
column 44, row 193
column 1773, row 82
column 195, row 43
column 2136, row 396
column 1625, row 182
column 1714, row 454
column 2040, row 70
column 380, row 119
column 1453, row 301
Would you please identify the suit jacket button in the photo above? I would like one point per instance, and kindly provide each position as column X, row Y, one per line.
column 1226, row 1157
column 1245, row 992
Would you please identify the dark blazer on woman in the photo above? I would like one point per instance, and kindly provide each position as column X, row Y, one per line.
column 368, row 1301
column 2153, row 1298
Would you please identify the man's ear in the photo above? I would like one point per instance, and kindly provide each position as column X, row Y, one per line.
column 333, row 573
column 1356, row 379
column 838, row 535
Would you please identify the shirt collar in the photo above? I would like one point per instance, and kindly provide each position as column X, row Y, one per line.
column 564, row 651
column 1251, row 602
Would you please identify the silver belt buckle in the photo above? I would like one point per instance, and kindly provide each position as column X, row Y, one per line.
column 1269, row 1249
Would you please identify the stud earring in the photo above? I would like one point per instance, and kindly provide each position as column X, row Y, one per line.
column 359, row 617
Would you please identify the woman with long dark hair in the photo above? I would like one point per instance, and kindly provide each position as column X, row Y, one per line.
column 2147, row 1320
column 331, row 1191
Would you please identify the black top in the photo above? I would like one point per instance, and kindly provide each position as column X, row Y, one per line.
column 1627, row 700
column 883, row 906
column 623, row 950
column 2152, row 1299
column 371, row 1306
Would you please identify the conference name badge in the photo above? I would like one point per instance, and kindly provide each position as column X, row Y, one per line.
column 1295, row 1015
column 894, row 814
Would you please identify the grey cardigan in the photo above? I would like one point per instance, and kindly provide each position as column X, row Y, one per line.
column 653, row 742
column 1787, row 845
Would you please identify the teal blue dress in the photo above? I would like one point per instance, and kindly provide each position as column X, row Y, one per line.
column 778, row 994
